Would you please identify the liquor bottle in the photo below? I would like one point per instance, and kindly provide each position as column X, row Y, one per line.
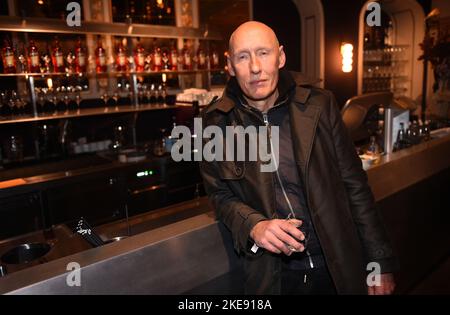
column 8, row 57
column 33, row 58
column 174, row 57
column 214, row 60
column 201, row 58
column 100, row 57
column 80, row 58
column 187, row 58
column 139, row 57
column 121, row 58
column 157, row 57
column 401, row 138
column 58, row 57
column 148, row 12
column 166, row 61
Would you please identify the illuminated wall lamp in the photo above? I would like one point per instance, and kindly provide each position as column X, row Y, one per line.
column 347, row 57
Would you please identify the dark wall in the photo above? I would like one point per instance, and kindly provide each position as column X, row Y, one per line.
column 341, row 25
column 285, row 21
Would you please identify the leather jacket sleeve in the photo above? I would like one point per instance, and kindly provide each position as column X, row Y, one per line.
column 237, row 216
column 365, row 214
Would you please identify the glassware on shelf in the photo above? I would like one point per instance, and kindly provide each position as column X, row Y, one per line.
column 14, row 148
column 119, row 138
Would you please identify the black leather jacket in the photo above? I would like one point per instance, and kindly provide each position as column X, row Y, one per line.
column 341, row 203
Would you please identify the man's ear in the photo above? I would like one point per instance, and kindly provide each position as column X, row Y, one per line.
column 230, row 66
column 281, row 57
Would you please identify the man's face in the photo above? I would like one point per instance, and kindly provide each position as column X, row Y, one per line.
column 255, row 59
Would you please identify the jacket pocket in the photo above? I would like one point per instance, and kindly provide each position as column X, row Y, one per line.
column 231, row 170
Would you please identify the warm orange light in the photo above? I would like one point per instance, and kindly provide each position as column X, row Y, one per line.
column 347, row 57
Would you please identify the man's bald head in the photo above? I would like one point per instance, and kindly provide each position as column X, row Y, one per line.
column 250, row 29
column 255, row 57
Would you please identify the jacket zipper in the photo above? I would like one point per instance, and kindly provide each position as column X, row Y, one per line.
column 292, row 214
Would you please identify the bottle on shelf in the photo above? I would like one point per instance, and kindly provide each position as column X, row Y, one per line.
column 80, row 57
column 401, row 138
column 121, row 58
column 8, row 57
column 100, row 57
column 139, row 57
column 166, row 61
column 58, row 57
column 174, row 57
column 201, row 58
column 33, row 58
column 214, row 59
column 46, row 57
column 187, row 58
column 157, row 57
column 374, row 148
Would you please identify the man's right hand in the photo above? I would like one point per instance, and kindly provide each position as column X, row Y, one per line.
column 278, row 236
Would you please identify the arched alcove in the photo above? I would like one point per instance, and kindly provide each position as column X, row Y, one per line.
column 312, row 37
column 408, row 24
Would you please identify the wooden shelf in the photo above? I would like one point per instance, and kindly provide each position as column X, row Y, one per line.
column 56, row 26
column 109, row 73
column 85, row 112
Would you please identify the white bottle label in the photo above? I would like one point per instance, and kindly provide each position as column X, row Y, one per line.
column 122, row 60
column 157, row 59
column 215, row 60
column 187, row 59
column 202, row 60
column 81, row 60
column 140, row 59
column 9, row 60
column 174, row 58
column 102, row 60
column 34, row 60
column 59, row 60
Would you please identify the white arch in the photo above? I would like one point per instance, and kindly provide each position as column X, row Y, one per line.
column 408, row 21
column 312, row 38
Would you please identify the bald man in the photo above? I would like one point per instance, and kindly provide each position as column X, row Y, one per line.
column 311, row 226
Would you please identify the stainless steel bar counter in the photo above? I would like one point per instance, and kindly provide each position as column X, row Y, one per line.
column 194, row 255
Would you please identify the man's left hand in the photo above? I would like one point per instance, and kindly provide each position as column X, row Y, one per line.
column 386, row 287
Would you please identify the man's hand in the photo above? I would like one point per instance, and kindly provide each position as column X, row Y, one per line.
column 386, row 287
column 278, row 236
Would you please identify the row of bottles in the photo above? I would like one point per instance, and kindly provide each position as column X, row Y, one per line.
column 32, row 60
column 414, row 133
column 157, row 59
column 160, row 12
column 160, row 59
